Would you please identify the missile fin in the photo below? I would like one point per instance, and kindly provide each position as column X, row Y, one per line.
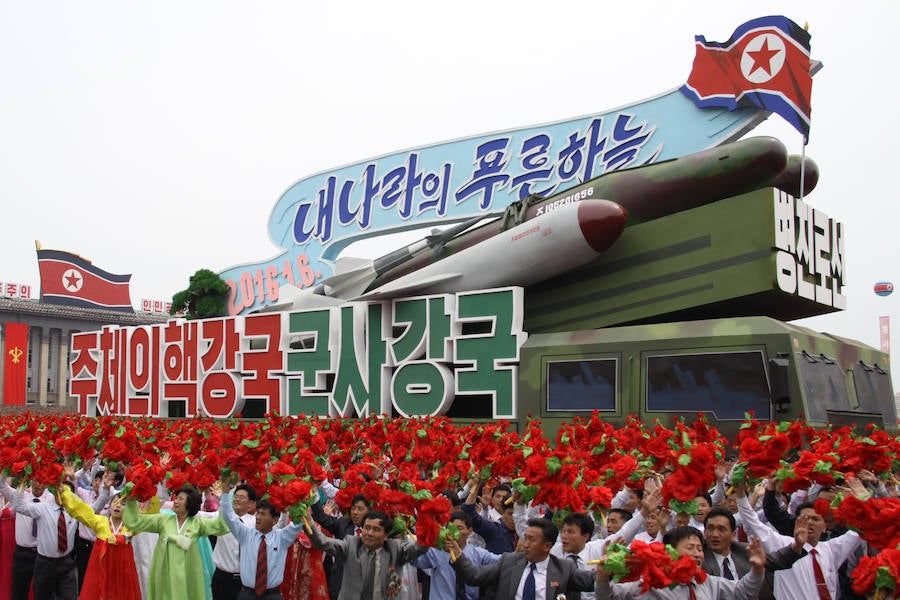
column 391, row 291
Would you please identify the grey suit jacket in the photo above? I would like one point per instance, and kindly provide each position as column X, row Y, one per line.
column 357, row 561
column 562, row 576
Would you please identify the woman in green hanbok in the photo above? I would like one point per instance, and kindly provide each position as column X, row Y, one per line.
column 176, row 572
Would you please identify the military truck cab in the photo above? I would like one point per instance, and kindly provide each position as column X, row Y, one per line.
column 723, row 368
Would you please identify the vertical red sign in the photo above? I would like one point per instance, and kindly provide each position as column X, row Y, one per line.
column 15, row 362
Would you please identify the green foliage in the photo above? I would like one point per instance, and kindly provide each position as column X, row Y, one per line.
column 204, row 297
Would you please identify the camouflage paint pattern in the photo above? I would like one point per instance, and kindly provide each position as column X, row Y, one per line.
column 632, row 346
column 716, row 260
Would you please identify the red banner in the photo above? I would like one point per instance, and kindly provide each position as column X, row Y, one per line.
column 15, row 362
column 884, row 327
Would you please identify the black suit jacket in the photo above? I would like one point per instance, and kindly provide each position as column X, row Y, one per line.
column 562, row 576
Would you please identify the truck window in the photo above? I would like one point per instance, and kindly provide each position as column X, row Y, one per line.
column 726, row 384
column 581, row 385
column 824, row 386
column 873, row 389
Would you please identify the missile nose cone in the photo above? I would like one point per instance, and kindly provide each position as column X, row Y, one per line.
column 601, row 222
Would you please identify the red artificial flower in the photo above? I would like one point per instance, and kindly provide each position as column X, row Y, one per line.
column 296, row 491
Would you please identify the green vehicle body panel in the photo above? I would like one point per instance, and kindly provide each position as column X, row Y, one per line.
column 716, row 260
column 836, row 388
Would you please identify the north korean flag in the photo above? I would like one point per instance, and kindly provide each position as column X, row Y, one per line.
column 70, row 280
column 765, row 64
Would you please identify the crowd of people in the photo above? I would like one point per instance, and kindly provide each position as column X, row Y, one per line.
column 415, row 509
column 87, row 538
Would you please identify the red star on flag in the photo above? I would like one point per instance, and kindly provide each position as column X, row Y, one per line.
column 762, row 58
column 73, row 281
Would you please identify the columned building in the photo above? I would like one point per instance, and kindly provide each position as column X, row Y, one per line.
column 50, row 328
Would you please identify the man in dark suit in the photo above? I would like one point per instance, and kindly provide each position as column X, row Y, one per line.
column 340, row 527
column 518, row 575
column 724, row 556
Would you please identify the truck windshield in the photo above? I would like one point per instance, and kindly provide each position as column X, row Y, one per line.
column 824, row 386
column 873, row 389
column 727, row 384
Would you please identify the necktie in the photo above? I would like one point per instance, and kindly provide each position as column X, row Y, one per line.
column 460, row 588
column 376, row 583
column 821, row 586
column 34, row 521
column 529, row 592
column 575, row 559
column 62, row 534
column 692, row 595
column 726, row 570
column 262, row 568
column 358, row 531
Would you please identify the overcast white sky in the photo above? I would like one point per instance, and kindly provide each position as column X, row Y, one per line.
column 154, row 138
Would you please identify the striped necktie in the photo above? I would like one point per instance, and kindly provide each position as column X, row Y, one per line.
column 821, row 586
column 62, row 533
column 262, row 568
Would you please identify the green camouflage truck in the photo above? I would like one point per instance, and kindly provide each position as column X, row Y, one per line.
column 721, row 367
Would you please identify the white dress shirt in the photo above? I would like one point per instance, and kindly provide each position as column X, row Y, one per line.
column 799, row 582
column 721, row 559
column 24, row 522
column 540, row 580
column 277, row 543
column 226, row 554
column 47, row 517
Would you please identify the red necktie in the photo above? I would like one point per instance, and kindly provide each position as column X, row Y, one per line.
column 691, row 594
column 824, row 594
column 262, row 568
column 62, row 534
column 358, row 531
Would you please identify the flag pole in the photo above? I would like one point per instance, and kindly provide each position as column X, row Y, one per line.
column 803, row 168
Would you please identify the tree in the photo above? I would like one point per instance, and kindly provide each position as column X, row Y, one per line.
column 204, row 297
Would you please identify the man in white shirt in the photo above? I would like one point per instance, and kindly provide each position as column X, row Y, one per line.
column 813, row 577
column 55, row 572
column 263, row 549
column 26, row 537
column 724, row 556
column 226, row 580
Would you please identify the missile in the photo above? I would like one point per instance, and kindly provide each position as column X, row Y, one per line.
column 553, row 243
column 643, row 193
column 646, row 192
column 550, row 244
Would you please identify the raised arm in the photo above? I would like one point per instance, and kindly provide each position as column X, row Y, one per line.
column 770, row 539
column 79, row 509
column 332, row 546
column 136, row 521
